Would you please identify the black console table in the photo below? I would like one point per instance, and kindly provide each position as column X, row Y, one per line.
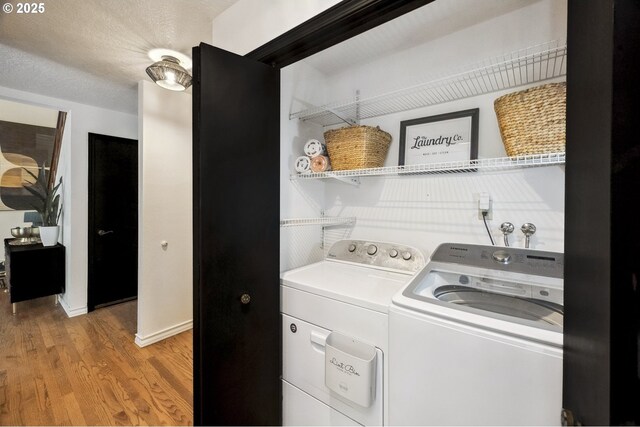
column 34, row 271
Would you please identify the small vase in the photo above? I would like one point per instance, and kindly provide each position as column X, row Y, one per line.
column 49, row 235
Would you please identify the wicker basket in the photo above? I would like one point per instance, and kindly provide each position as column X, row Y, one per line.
column 357, row 147
column 533, row 121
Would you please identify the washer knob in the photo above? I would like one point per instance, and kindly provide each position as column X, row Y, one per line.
column 372, row 249
column 393, row 253
column 406, row 255
column 352, row 247
column 502, row 257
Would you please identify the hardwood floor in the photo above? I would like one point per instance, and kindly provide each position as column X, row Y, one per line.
column 87, row 370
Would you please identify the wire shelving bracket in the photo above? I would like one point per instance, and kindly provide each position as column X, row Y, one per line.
column 324, row 221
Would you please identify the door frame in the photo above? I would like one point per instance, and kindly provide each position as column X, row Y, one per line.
column 340, row 22
column 601, row 240
column 608, row 310
column 352, row 17
column 343, row 21
column 91, row 225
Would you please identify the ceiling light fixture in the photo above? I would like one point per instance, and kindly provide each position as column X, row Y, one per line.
column 169, row 73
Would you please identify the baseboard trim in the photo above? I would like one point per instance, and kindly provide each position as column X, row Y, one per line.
column 72, row 312
column 163, row 334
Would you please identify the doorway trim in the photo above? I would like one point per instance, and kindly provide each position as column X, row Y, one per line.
column 91, row 224
column 335, row 25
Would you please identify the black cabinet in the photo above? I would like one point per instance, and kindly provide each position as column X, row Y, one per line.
column 34, row 271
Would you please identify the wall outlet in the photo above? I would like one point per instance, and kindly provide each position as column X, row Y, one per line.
column 484, row 205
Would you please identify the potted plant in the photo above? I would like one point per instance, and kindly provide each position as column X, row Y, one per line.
column 47, row 205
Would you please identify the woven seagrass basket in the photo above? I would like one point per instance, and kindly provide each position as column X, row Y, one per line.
column 357, row 147
column 533, row 121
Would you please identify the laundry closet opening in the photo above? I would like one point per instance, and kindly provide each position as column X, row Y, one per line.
column 433, row 73
column 440, row 68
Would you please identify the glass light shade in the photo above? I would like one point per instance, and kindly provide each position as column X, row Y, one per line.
column 169, row 74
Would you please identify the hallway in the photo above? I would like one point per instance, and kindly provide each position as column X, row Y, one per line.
column 87, row 370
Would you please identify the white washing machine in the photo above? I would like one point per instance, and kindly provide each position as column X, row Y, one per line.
column 335, row 332
column 476, row 339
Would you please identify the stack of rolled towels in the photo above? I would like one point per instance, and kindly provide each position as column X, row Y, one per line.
column 315, row 158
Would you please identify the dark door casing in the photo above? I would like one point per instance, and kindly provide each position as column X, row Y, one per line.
column 602, row 240
column 236, row 167
column 601, row 293
column 113, row 220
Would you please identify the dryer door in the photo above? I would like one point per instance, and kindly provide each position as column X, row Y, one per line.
column 303, row 358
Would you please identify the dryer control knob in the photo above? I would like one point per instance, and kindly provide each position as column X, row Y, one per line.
column 352, row 247
column 406, row 256
column 502, row 257
column 372, row 249
column 393, row 253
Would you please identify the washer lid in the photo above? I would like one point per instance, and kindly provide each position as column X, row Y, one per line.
column 419, row 296
column 354, row 284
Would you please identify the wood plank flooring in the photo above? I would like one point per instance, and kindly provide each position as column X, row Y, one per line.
column 87, row 370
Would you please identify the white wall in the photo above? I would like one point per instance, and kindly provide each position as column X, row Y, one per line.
column 533, row 23
column 306, row 200
column 8, row 220
column 165, row 276
column 249, row 24
column 427, row 210
column 73, row 167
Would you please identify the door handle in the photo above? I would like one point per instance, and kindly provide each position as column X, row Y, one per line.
column 102, row 232
column 318, row 338
column 318, row 341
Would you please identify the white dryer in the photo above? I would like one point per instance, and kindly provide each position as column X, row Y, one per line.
column 476, row 339
column 335, row 332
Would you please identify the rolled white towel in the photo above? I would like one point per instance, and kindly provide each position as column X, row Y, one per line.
column 303, row 164
column 314, row 148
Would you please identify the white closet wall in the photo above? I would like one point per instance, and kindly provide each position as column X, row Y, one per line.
column 424, row 210
column 299, row 245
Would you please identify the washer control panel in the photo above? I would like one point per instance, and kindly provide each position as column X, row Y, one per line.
column 501, row 256
column 517, row 260
column 384, row 255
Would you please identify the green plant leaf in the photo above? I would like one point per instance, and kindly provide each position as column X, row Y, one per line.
column 35, row 193
column 31, row 173
column 50, row 208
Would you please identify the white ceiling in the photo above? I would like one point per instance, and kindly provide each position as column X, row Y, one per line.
column 95, row 51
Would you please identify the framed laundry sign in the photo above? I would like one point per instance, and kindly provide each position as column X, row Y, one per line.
column 443, row 138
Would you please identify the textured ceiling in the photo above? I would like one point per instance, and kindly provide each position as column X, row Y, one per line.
column 95, row 51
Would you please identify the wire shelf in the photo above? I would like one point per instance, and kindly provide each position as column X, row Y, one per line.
column 525, row 66
column 323, row 221
column 445, row 167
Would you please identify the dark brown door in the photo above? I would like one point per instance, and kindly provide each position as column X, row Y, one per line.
column 602, row 239
column 113, row 220
column 236, row 128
